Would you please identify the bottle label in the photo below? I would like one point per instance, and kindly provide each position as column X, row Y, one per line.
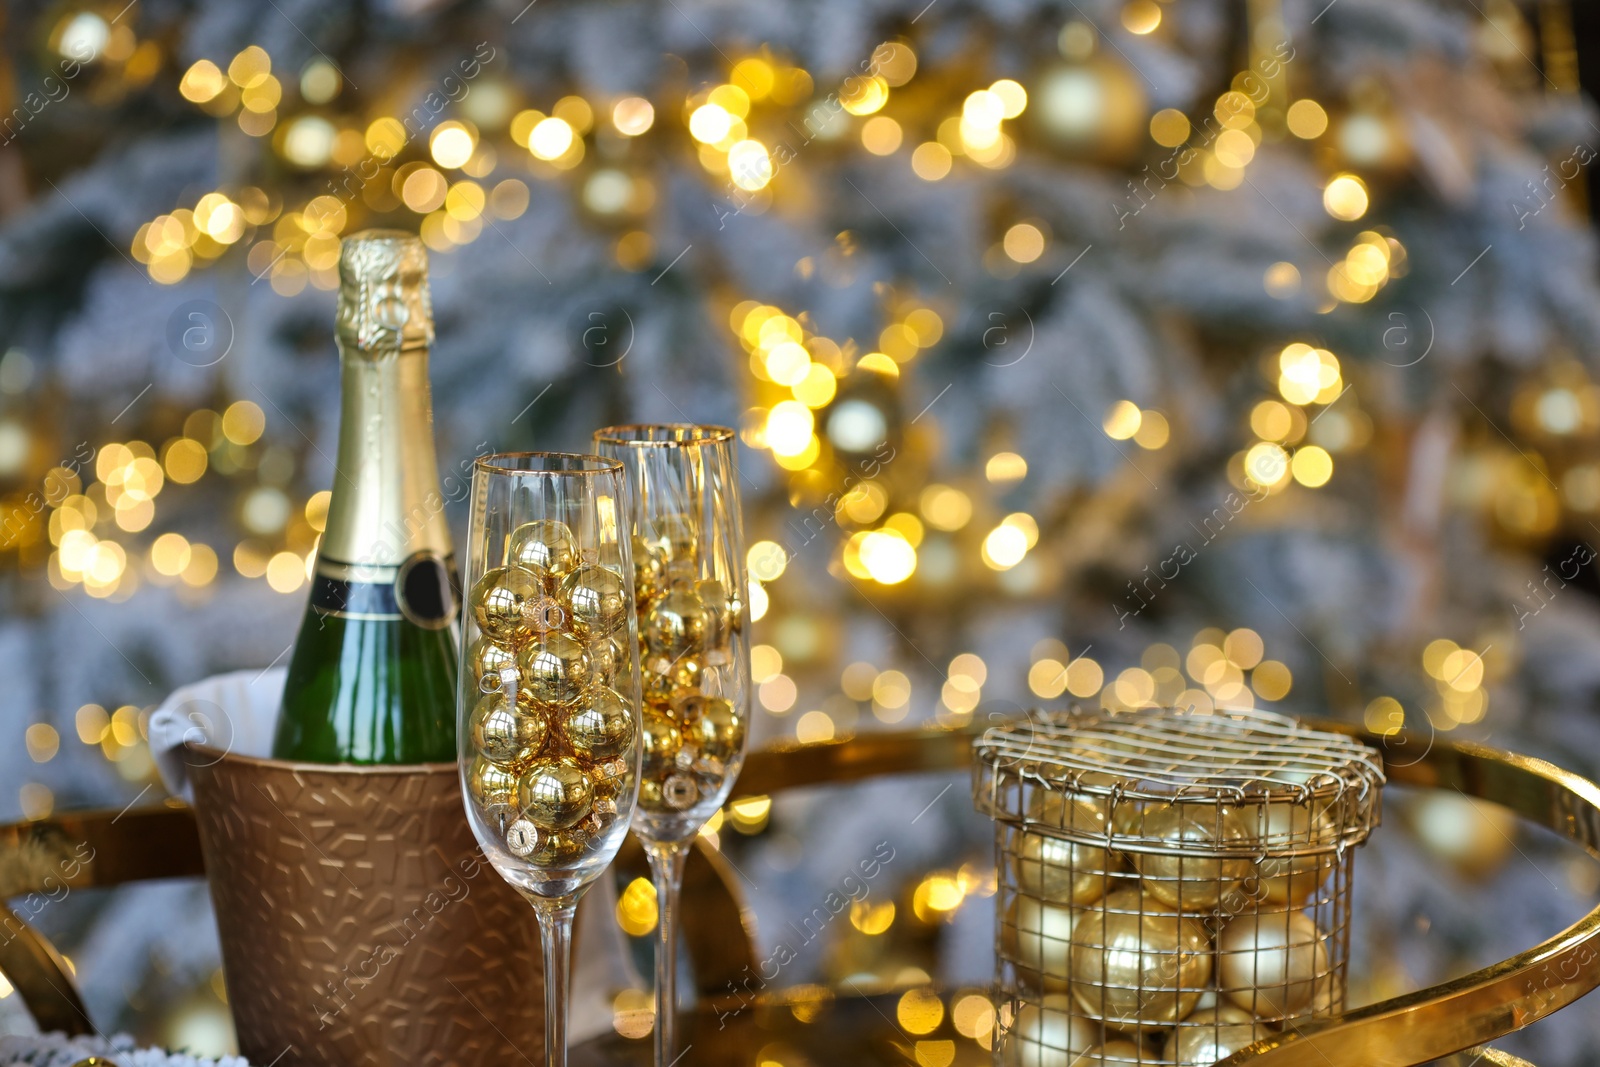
column 423, row 590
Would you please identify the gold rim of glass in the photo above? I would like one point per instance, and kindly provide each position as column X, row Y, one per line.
column 664, row 435
column 587, row 464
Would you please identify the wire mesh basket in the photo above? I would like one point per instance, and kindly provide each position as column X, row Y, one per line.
column 1173, row 886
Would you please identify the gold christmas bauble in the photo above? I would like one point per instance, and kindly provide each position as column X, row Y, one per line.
column 1292, row 879
column 1212, row 1034
column 557, row 849
column 503, row 731
column 660, row 687
column 1062, row 872
column 681, row 573
column 544, row 546
column 719, row 612
column 675, row 536
column 492, row 787
column 676, row 624
column 1137, row 963
column 485, row 658
column 606, row 658
column 502, row 600
column 1192, row 883
column 555, row 793
column 647, row 571
column 1047, row 1033
column 712, row 724
column 1271, row 964
column 555, row 668
column 1061, row 811
column 685, row 674
column 596, row 600
column 660, row 740
column 601, row 727
column 1038, row 938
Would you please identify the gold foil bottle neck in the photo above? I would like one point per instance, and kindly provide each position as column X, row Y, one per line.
column 384, row 306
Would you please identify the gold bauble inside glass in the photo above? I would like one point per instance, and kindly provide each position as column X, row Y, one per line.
column 674, row 536
column 501, row 600
column 712, row 724
column 558, row 849
column 492, row 787
column 647, row 571
column 596, row 599
column 676, row 624
column 485, row 657
column 545, row 546
column 606, row 658
column 660, row 740
column 555, row 668
column 555, row 793
column 503, row 731
column 601, row 726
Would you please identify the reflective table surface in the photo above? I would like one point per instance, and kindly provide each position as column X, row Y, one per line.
column 812, row 1030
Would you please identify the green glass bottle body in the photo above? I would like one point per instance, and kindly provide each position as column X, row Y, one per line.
column 369, row 690
column 372, row 678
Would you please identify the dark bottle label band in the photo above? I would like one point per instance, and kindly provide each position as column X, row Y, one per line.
column 423, row 590
column 344, row 599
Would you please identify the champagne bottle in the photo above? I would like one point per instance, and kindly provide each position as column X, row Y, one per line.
column 373, row 674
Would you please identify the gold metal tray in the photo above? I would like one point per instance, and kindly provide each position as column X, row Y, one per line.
column 1418, row 1028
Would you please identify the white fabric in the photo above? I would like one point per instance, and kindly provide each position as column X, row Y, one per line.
column 56, row 1050
column 235, row 712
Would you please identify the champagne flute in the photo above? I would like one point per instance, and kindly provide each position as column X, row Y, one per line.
column 548, row 718
column 688, row 571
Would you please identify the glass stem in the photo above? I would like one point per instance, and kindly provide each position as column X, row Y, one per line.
column 666, row 868
column 555, row 934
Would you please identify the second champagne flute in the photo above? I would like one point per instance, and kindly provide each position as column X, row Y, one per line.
column 694, row 654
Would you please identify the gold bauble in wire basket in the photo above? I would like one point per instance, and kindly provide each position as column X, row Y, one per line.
column 1178, row 877
column 1048, row 1034
column 1137, row 963
column 1212, row 1034
column 1272, row 963
column 1293, row 879
column 1039, row 937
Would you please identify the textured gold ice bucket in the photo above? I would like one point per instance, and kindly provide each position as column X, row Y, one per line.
column 360, row 922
